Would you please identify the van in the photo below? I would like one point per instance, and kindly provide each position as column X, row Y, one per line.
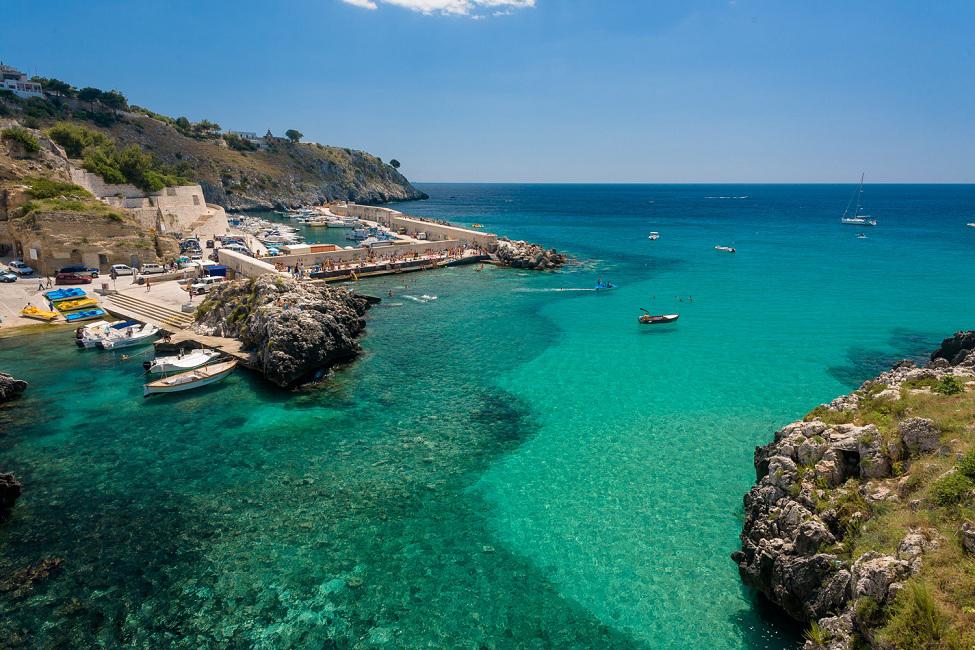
column 146, row 269
column 203, row 285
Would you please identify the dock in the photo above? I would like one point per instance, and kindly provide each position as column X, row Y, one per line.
column 189, row 339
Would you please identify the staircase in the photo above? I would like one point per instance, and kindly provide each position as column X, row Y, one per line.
column 148, row 312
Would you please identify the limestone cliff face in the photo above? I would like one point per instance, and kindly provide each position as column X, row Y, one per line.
column 296, row 329
column 282, row 175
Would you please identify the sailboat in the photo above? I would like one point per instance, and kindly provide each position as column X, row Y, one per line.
column 854, row 218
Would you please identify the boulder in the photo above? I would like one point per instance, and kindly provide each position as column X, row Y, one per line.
column 950, row 347
column 873, row 574
column 967, row 534
column 10, row 387
column 919, row 435
column 874, row 462
column 10, row 490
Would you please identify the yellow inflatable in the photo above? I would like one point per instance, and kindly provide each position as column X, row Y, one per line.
column 40, row 314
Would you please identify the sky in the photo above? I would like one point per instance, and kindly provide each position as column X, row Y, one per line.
column 547, row 90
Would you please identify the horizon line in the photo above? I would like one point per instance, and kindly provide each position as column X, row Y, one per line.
column 960, row 183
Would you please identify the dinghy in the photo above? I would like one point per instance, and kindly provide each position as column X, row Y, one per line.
column 191, row 379
column 31, row 311
column 181, row 362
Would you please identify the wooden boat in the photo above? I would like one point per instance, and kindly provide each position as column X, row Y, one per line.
column 181, row 362
column 88, row 314
column 129, row 337
column 75, row 305
column 726, row 249
column 39, row 314
column 650, row 319
column 65, row 294
column 191, row 379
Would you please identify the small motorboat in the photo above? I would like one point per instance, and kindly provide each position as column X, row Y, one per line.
column 88, row 336
column 30, row 311
column 75, row 305
column 726, row 249
column 971, row 225
column 651, row 319
column 190, row 379
column 604, row 286
column 129, row 337
column 65, row 294
column 181, row 362
column 87, row 314
column 654, row 235
column 861, row 235
column 477, row 225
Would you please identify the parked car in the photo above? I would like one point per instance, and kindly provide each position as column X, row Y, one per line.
column 20, row 268
column 147, row 269
column 80, row 269
column 7, row 276
column 203, row 285
column 123, row 269
column 72, row 278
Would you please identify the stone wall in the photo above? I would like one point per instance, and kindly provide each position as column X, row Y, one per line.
column 395, row 220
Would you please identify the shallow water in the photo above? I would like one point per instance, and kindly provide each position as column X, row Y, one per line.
column 509, row 464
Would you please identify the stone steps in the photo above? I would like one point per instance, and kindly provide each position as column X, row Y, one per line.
column 158, row 315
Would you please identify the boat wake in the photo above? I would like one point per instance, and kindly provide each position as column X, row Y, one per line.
column 551, row 290
column 726, row 197
column 423, row 298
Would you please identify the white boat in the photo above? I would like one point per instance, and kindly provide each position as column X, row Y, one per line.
column 970, row 225
column 129, row 336
column 654, row 235
column 181, row 362
column 343, row 222
column 726, row 249
column 190, row 379
column 854, row 218
column 90, row 335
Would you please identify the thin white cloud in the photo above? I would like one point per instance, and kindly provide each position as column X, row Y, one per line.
column 472, row 8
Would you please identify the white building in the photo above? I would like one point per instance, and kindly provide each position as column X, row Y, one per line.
column 250, row 136
column 17, row 82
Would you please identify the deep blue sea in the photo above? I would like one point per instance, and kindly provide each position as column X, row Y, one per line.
column 514, row 462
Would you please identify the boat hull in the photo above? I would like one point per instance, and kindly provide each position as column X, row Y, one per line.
column 658, row 320
column 188, row 362
column 190, row 380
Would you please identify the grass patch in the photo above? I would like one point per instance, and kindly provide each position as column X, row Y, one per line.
column 950, row 490
column 81, row 206
column 918, row 621
column 23, row 136
column 46, row 188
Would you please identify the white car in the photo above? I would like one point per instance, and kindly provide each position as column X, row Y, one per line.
column 20, row 268
column 147, row 269
column 122, row 269
column 203, row 285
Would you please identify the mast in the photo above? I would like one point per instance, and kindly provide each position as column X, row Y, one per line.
column 859, row 195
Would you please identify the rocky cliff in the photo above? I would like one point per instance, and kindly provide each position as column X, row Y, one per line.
column 525, row 255
column 860, row 520
column 296, row 329
column 10, row 387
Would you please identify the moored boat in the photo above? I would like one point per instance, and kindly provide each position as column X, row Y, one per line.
column 181, row 362
column 72, row 293
column 191, row 379
column 30, row 311
column 129, row 337
column 75, row 305
column 88, row 336
column 87, row 314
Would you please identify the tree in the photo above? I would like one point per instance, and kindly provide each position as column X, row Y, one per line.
column 394, row 163
column 294, row 135
column 90, row 95
column 114, row 100
column 55, row 86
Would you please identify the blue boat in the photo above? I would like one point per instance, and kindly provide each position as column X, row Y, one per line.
column 88, row 314
column 72, row 293
column 604, row 286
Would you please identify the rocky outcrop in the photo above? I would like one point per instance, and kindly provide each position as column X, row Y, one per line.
column 10, row 387
column 295, row 329
column 10, row 490
column 525, row 255
column 956, row 349
column 804, row 504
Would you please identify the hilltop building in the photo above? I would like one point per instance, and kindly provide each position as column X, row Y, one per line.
column 17, row 82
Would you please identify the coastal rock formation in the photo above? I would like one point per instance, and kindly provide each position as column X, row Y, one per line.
column 10, row 387
column 10, row 490
column 525, row 255
column 295, row 329
column 817, row 483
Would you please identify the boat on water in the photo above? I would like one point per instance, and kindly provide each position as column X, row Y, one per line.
column 181, row 362
column 477, row 225
column 88, row 336
column 72, row 293
column 129, row 337
column 30, row 311
column 75, row 305
column 726, row 249
column 971, row 225
column 190, row 379
column 654, row 235
column 343, row 222
column 861, row 235
column 87, row 314
column 853, row 217
column 646, row 318
column 604, row 286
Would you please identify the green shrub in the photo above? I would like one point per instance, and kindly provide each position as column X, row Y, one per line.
column 75, row 138
column 916, row 620
column 950, row 489
column 238, row 143
column 967, row 465
column 23, row 136
column 949, row 386
column 868, row 611
column 130, row 165
column 817, row 634
column 46, row 188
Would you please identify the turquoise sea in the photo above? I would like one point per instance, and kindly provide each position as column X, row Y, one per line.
column 515, row 463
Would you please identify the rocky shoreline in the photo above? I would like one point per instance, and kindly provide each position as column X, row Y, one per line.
column 10, row 488
column 525, row 255
column 817, row 482
column 297, row 330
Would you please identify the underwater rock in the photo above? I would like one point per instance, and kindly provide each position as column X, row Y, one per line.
column 10, row 491
column 10, row 387
column 295, row 329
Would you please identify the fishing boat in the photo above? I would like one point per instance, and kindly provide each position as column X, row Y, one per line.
column 651, row 319
column 129, row 337
column 88, row 336
column 853, row 217
column 87, row 314
column 72, row 293
column 654, row 235
column 30, row 311
column 181, row 362
column 191, row 379
column 75, row 305
column 726, row 249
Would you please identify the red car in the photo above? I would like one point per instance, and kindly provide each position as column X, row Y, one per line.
column 72, row 278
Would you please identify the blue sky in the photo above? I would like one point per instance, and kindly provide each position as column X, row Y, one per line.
column 551, row 90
